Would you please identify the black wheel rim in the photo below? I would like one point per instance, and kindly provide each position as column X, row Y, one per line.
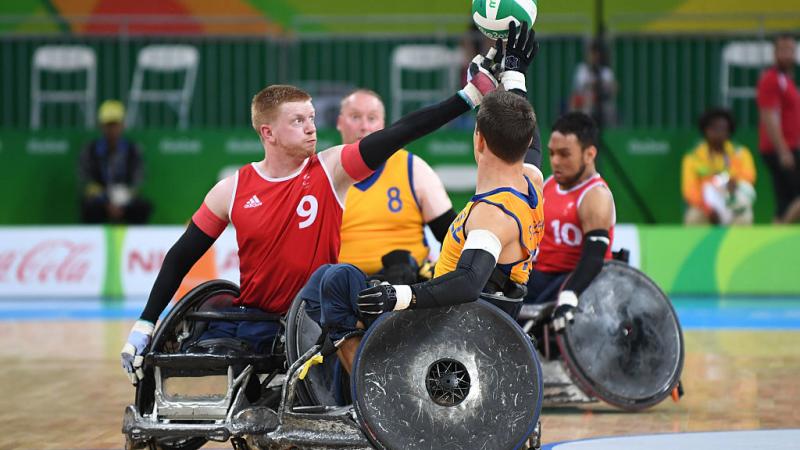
column 448, row 382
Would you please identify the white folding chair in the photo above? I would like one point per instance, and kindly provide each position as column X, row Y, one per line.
column 422, row 58
column 326, row 96
column 64, row 60
column 164, row 59
column 749, row 55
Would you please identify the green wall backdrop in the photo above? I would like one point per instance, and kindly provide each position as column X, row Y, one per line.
column 40, row 168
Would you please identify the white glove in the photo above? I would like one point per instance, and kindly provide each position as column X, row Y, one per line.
column 565, row 309
column 133, row 351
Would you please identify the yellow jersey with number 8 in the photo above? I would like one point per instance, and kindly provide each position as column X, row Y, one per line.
column 382, row 214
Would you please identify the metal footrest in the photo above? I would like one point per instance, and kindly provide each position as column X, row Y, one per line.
column 250, row 421
column 194, row 364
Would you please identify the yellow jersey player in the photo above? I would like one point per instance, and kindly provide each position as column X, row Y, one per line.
column 385, row 214
column 498, row 231
column 500, row 228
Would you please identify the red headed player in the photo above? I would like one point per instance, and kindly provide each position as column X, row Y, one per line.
column 579, row 218
column 286, row 209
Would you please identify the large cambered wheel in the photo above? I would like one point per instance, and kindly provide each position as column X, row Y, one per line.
column 462, row 377
column 625, row 346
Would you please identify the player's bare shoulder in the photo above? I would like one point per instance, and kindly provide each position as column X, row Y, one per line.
column 485, row 216
column 219, row 198
column 331, row 160
column 331, row 156
column 535, row 175
column 596, row 208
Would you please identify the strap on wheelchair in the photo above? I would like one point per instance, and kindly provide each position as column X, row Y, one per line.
column 329, row 346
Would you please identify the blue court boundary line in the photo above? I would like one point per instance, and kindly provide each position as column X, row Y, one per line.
column 694, row 313
column 552, row 445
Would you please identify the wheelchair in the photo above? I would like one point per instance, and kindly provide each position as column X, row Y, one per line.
column 625, row 346
column 439, row 378
column 164, row 415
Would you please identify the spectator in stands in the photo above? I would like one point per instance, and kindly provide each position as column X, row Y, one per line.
column 110, row 172
column 718, row 176
column 779, row 128
column 585, row 90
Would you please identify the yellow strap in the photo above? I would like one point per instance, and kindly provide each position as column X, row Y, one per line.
column 316, row 359
column 426, row 271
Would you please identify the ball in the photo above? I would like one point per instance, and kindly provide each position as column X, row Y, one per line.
column 492, row 17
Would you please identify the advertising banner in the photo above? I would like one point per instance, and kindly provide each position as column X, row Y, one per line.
column 123, row 262
column 626, row 236
column 759, row 260
column 143, row 250
column 52, row 261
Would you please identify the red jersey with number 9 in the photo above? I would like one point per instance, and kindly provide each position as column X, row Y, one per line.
column 286, row 228
column 562, row 244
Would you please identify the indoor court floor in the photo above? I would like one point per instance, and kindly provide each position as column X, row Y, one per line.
column 63, row 387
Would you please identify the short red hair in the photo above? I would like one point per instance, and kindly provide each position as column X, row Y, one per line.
column 265, row 104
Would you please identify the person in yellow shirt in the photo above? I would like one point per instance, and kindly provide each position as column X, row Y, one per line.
column 385, row 214
column 718, row 176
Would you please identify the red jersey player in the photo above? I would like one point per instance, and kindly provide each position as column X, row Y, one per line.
column 286, row 209
column 579, row 219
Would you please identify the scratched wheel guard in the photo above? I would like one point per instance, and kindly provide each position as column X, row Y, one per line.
column 625, row 346
column 463, row 377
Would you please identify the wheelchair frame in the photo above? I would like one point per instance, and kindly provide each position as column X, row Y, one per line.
column 157, row 421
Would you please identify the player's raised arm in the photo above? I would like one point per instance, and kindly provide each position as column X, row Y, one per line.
column 518, row 54
column 206, row 226
column 354, row 162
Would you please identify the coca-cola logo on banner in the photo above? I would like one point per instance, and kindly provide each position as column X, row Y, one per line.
column 52, row 261
column 55, row 260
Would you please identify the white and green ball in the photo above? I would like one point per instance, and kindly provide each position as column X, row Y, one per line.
column 492, row 17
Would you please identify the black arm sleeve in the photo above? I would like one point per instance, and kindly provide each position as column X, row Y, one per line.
column 462, row 285
column 179, row 259
column 441, row 224
column 376, row 148
column 534, row 155
column 595, row 244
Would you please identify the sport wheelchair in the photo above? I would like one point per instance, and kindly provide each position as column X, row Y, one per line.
column 461, row 377
column 624, row 347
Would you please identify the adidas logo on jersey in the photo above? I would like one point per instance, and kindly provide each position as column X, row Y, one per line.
column 253, row 202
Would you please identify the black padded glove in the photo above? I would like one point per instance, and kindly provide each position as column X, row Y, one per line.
column 376, row 300
column 520, row 51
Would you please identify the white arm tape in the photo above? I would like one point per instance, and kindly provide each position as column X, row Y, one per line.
column 144, row 327
column 567, row 298
column 512, row 79
column 600, row 239
column 483, row 240
column 471, row 95
column 403, row 292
